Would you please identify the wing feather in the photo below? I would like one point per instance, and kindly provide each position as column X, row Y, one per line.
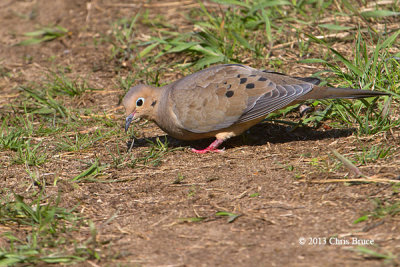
column 279, row 97
column 220, row 96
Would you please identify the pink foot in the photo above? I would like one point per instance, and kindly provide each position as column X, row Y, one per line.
column 203, row 151
column 210, row 148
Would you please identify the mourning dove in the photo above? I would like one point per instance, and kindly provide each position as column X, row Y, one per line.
column 223, row 101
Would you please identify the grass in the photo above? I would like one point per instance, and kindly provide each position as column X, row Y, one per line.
column 44, row 103
column 10, row 138
column 121, row 159
column 79, row 141
column 123, row 36
column 372, row 67
column 17, row 139
column 60, row 83
column 90, row 173
column 218, row 39
column 179, row 180
column 383, row 208
column 47, row 226
column 46, row 98
column 231, row 216
column 372, row 254
column 44, row 34
column 364, row 155
column 154, row 154
column 373, row 154
column 31, row 154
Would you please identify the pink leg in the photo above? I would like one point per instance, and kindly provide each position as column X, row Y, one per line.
column 211, row 148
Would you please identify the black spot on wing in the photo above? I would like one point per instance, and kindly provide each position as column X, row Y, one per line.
column 243, row 80
column 262, row 79
column 250, row 86
column 229, row 94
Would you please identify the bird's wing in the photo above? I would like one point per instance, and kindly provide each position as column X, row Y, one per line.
column 220, row 96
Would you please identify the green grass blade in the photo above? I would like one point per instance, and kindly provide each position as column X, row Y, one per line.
column 242, row 41
column 334, row 27
column 379, row 13
column 372, row 253
column 232, row 2
column 91, row 170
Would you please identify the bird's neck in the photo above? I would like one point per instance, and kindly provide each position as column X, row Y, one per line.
column 165, row 117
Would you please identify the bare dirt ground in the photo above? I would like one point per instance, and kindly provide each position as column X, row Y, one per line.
column 280, row 182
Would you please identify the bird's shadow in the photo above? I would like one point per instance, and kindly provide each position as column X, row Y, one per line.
column 257, row 135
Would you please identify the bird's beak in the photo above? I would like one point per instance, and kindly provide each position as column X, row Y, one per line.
column 128, row 121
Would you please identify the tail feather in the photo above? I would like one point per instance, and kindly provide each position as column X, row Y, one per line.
column 323, row 92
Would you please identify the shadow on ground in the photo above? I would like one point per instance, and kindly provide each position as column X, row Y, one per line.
column 258, row 135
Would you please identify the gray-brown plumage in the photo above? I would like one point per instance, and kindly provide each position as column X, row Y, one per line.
column 223, row 101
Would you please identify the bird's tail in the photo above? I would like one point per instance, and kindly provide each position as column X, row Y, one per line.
column 324, row 92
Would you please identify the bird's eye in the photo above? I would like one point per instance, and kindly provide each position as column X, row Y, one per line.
column 140, row 102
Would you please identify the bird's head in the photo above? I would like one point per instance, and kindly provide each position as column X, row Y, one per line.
column 140, row 102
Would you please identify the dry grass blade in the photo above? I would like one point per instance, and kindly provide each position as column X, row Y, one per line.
column 349, row 165
column 359, row 180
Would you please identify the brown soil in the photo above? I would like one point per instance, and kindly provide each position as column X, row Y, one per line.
column 291, row 172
